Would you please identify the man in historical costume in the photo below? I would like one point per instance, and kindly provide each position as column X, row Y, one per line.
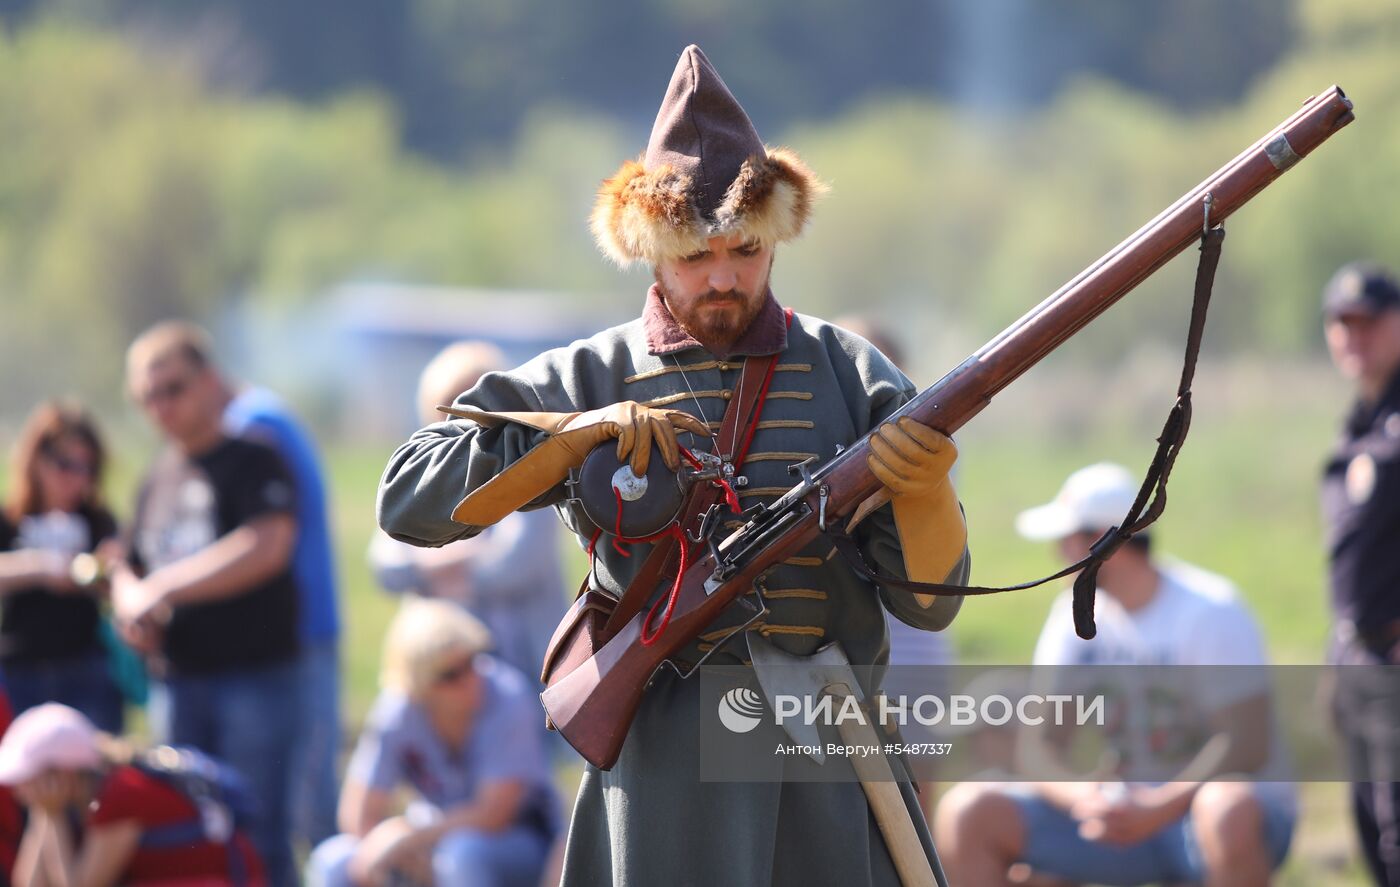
column 705, row 206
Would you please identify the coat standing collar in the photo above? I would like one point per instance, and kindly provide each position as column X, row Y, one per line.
column 766, row 335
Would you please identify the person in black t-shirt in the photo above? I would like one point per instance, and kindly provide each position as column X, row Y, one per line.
column 209, row 595
column 50, row 643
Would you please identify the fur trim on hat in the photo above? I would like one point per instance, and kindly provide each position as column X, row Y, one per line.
column 646, row 215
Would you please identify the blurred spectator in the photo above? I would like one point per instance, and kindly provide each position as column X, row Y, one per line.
column 100, row 814
column 259, row 414
column 215, row 608
column 1183, row 825
column 51, row 647
column 1361, row 507
column 460, row 728
column 508, row 576
column 990, row 747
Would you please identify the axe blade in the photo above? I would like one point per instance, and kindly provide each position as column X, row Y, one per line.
column 781, row 673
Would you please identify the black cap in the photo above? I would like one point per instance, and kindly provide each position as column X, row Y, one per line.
column 1360, row 288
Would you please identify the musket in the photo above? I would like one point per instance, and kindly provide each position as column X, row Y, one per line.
column 593, row 705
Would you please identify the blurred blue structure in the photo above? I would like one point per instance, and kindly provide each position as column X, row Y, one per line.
column 351, row 358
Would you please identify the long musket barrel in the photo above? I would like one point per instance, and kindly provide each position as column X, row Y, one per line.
column 593, row 705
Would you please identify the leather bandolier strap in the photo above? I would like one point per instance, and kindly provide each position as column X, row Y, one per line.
column 1143, row 511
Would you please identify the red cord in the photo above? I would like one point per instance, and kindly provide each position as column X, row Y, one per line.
column 648, row 636
column 636, row 540
column 690, row 457
column 730, row 497
column 762, row 398
column 617, row 529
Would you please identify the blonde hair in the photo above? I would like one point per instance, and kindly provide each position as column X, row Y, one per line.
column 424, row 635
column 454, row 370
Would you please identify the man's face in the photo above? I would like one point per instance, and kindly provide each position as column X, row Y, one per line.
column 179, row 397
column 1075, row 547
column 1365, row 346
column 716, row 293
column 456, row 687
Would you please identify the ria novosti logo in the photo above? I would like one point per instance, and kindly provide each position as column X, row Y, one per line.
column 740, row 710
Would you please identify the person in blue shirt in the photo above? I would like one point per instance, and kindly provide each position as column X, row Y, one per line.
column 259, row 414
column 509, row 576
column 459, row 728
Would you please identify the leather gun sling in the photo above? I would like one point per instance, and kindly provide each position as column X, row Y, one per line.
column 1151, row 498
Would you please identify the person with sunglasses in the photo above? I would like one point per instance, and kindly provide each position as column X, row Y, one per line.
column 209, row 593
column 51, row 646
column 460, row 728
column 255, row 413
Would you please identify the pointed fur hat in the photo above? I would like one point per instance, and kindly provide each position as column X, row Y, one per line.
column 705, row 173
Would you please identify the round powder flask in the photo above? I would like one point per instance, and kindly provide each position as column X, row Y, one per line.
column 649, row 502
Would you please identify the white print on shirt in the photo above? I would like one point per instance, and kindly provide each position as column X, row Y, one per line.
column 179, row 517
column 1156, row 722
column 60, row 532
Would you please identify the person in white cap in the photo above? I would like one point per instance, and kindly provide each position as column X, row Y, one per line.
column 1175, row 821
column 139, row 820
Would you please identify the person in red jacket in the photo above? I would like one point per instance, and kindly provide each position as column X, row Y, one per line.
column 11, row 822
column 101, row 816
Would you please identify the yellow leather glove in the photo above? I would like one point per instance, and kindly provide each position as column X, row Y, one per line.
column 636, row 427
column 913, row 461
column 572, row 437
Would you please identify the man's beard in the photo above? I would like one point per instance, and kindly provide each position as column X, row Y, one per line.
column 717, row 331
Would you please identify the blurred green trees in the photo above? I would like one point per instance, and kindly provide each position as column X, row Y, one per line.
column 131, row 189
column 466, row 74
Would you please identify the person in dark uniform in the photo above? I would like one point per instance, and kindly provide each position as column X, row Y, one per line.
column 1361, row 509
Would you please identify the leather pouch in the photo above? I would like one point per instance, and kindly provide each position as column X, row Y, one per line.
column 577, row 637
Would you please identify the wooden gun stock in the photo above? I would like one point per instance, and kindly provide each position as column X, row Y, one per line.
column 593, row 706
